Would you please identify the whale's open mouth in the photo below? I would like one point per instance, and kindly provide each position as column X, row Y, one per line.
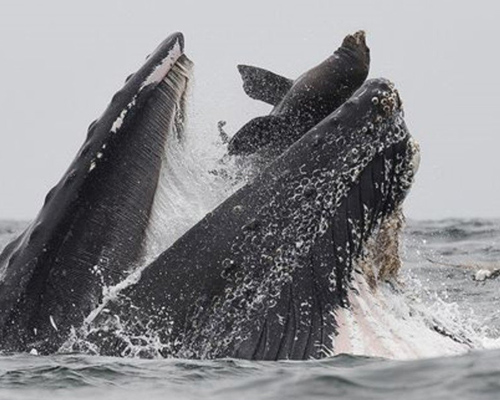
column 262, row 276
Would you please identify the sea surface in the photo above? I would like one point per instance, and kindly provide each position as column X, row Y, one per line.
column 442, row 259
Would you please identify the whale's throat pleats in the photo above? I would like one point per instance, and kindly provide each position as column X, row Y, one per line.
column 303, row 322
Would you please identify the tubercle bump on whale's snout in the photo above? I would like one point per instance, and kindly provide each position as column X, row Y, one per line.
column 385, row 98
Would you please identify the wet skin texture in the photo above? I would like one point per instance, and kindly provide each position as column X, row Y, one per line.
column 90, row 231
column 259, row 277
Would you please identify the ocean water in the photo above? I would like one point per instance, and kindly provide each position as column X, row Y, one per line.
column 441, row 261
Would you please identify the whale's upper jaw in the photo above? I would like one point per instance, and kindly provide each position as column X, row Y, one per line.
column 141, row 83
column 92, row 227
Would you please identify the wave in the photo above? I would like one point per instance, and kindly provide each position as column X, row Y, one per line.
column 474, row 375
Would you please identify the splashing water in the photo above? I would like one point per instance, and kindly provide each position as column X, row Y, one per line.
column 442, row 293
column 190, row 183
column 195, row 178
column 406, row 323
column 194, row 181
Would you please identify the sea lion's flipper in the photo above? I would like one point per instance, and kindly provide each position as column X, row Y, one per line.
column 258, row 133
column 264, row 85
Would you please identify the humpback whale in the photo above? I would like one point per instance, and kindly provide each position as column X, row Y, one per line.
column 263, row 275
column 301, row 104
column 92, row 228
column 266, row 275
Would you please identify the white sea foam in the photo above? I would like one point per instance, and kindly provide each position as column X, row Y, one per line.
column 396, row 324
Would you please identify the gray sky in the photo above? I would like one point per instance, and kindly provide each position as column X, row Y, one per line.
column 63, row 60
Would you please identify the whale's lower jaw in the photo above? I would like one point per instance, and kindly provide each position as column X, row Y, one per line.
column 361, row 240
column 263, row 275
